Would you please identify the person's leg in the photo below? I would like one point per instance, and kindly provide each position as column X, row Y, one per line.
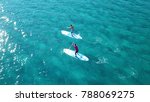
column 75, row 53
column 71, row 32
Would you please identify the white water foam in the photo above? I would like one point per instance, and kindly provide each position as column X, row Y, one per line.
column 1, row 8
column 5, row 18
column 117, row 50
column 102, row 60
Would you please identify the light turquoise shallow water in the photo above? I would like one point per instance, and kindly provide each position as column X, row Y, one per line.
column 115, row 35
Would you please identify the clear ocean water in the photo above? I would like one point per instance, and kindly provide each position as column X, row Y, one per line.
column 115, row 35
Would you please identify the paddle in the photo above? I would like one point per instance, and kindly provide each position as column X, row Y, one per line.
column 71, row 45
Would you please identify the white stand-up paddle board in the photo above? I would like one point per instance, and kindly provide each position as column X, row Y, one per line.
column 67, row 33
column 72, row 54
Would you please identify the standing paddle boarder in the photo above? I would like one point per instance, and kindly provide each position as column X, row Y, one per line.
column 76, row 49
column 71, row 27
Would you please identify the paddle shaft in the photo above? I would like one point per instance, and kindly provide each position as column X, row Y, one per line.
column 71, row 45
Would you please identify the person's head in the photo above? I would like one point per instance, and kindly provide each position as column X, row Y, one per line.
column 75, row 45
column 71, row 25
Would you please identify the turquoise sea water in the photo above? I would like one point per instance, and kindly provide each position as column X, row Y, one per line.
column 115, row 35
